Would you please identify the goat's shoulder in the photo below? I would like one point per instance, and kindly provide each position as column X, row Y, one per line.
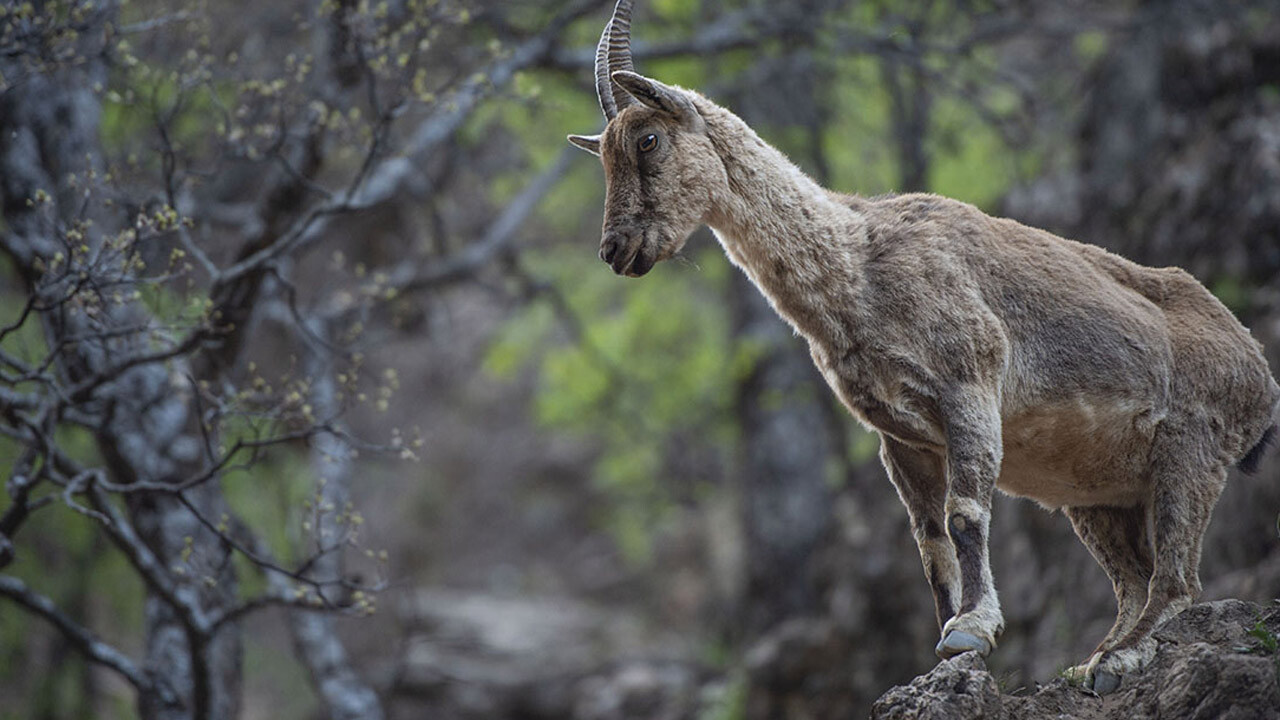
column 919, row 228
column 899, row 217
column 923, row 305
column 918, row 240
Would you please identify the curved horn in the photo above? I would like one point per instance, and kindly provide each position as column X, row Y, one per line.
column 613, row 54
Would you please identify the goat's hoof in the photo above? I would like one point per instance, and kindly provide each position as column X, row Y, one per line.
column 959, row 641
column 1077, row 675
column 1104, row 682
column 1108, row 669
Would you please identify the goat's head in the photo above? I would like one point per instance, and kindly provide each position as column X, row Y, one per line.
column 662, row 172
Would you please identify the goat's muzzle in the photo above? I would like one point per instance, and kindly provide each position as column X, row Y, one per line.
column 627, row 253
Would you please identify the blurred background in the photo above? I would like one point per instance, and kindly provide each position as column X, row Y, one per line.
column 316, row 401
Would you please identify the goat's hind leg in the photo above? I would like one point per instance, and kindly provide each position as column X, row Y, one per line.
column 1119, row 540
column 922, row 485
column 1184, row 492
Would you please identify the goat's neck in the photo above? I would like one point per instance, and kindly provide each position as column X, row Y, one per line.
column 795, row 240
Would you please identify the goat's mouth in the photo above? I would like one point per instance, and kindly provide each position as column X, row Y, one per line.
column 632, row 257
column 642, row 261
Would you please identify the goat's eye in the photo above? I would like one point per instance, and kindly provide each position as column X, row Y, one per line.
column 647, row 143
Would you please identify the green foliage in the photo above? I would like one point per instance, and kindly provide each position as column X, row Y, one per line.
column 61, row 554
column 1010, row 683
column 187, row 99
column 58, row 553
column 730, row 703
column 276, row 509
column 649, row 366
column 26, row 343
column 855, row 143
column 687, row 72
column 679, row 10
column 644, row 370
column 864, row 446
column 970, row 160
column 1091, row 45
column 270, row 671
column 1234, row 292
column 561, row 209
column 172, row 308
column 1268, row 643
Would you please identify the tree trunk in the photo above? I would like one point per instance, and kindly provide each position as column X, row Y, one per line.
column 787, row 447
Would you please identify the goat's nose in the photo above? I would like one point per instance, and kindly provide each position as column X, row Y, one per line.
column 610, row 246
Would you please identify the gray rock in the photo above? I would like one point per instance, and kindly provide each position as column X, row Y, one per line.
column 1210, row 664
column 474, row 655
column 957, row 689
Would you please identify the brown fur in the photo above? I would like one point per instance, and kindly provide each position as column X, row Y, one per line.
column 985, row 353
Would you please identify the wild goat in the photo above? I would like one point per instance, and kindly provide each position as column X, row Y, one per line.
column 983, row 352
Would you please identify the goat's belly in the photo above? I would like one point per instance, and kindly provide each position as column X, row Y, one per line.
column 1079, row 452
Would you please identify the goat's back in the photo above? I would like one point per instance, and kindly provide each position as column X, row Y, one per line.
column 1079, row 323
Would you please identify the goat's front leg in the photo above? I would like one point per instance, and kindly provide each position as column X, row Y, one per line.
column 921, row 480
column 974, row 452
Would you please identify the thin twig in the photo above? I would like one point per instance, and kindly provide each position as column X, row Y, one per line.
column 89, row 644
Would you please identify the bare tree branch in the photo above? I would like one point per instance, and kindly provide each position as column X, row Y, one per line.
column 385, row 179
column 90, row 645
column 497, row 238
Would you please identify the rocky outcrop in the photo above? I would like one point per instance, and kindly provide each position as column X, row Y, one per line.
column 475, row 655
column 1215, row 661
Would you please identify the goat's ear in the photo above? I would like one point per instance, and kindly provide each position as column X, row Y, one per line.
column 590, row 143
column 657, row 95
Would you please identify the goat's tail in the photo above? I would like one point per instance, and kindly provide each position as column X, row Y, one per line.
column 1249, row 463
